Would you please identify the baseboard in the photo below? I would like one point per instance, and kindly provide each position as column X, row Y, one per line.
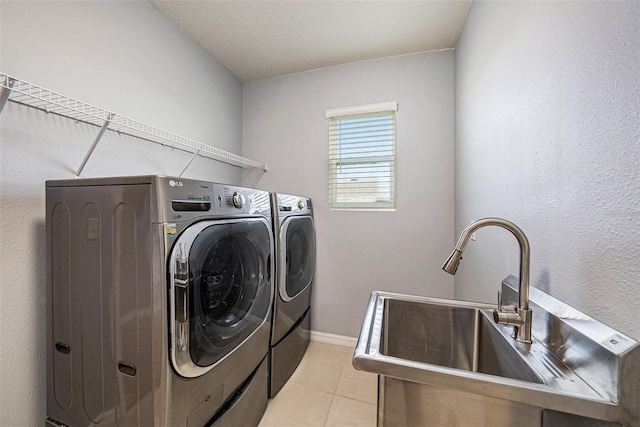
column 333, row 339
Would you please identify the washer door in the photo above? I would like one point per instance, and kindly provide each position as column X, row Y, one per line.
column 297, row 258
column 220, row 290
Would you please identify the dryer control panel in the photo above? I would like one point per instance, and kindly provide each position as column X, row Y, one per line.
column 293, row 205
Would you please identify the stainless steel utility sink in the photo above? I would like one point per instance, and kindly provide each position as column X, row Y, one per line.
column 445, row 362
column 465, row 338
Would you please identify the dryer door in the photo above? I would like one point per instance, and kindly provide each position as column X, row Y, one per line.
column 297, row 258
column 220, row 290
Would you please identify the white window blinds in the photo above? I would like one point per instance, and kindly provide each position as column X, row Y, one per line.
column 362, row 157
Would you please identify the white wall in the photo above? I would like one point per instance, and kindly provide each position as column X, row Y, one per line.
column 122, row 56
column 357, row 252
column 548, row 136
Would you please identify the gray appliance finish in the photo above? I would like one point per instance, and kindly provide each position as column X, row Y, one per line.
column 295, row 246
column 159, row 297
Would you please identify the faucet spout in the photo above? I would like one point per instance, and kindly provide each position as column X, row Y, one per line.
column 521, row 319
column 452, row 263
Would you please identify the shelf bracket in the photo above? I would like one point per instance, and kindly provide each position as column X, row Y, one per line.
column 5, row 91
column 189, row 162
column 97, row 139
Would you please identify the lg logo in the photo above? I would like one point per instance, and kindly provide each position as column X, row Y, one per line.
column 175, row 183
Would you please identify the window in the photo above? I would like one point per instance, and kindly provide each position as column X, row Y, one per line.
column 362, row 157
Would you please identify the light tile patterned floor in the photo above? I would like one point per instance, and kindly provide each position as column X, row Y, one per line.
column 325, row 391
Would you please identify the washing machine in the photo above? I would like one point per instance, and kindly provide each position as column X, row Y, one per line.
column 295, row 245
column 159, row 299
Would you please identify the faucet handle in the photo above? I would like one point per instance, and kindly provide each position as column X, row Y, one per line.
column 499, row 300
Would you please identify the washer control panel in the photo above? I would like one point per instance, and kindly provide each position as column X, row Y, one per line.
column 185, row 199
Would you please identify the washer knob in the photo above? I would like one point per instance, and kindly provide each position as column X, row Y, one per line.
column 300, row 204
column 238, row 200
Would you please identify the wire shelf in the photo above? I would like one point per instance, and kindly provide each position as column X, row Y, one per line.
column 24, row 93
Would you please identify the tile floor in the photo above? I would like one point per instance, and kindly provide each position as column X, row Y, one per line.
column 325, row 391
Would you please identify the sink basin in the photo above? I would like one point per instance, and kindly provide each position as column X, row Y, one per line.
column 465, row 338
column 445, row 362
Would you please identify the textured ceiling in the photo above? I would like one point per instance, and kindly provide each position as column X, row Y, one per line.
column 263, row 39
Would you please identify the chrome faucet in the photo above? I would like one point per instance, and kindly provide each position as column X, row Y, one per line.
column 520, row 317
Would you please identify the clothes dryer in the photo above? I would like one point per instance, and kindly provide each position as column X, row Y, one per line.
column 159, row 297
column 295, row 244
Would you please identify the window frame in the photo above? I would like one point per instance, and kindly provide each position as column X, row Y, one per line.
column 360, row 112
